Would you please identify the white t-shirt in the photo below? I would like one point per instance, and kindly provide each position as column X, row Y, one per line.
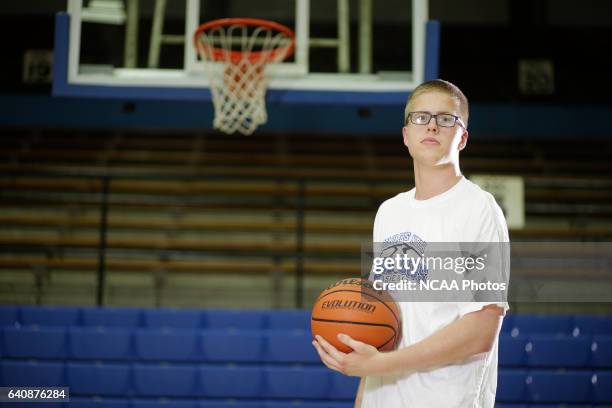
column 464, row 213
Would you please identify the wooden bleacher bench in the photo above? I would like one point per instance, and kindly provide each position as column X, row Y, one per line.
column 169, row 243
column 173, row 198
column 261, row 266
column 179, row 223
column 255, row 223
column 228, row 265
column 271, row 187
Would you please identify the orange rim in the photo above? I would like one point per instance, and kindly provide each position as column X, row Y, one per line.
column 218, row 54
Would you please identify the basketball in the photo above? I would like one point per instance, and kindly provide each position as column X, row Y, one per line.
column 355, row 308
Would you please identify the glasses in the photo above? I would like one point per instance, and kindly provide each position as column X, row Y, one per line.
column 442, row 119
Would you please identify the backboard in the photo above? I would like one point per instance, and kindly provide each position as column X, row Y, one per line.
column 347, row 52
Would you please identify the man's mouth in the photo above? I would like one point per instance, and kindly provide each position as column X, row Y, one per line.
column 430, row 141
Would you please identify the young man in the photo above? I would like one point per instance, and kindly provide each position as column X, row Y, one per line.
column 448, row 353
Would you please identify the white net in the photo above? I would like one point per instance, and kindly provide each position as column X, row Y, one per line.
column 236, row 57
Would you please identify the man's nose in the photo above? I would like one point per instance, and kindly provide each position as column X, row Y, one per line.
column 432, row 125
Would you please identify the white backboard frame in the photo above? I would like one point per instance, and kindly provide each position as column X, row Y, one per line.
column 285, row 76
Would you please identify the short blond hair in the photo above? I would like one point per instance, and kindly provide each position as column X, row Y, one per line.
column 440, row 85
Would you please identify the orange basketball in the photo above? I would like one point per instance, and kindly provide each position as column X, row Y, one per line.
column 354, row 307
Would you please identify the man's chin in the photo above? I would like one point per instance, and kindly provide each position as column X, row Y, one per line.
column 436, row 165
column 433, row 160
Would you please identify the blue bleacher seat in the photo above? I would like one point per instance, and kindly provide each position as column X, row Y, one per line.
column 592, row 325
column 335, row 404
column 164, row 380
column 511, row 351
column 231, row 345
column 50, row 316
column 541, row 324
column 100, row 343
column 32, row 374
column 167, row 345
column 235, row 319
column 561, row 406
column 101, row 379
column 9, row 315
column 301, row 382
column 511, row 385
column 231, row 403
column 290, row 346
column 107, row 343
column 602, row 351
column 38, row 405
column 343, row 387
column 231, row 381
column 558, row 351
column 173, row 318
column 164, row 403
column 98, row 402
column 35, row 342
column 289, row 319
column 112, row 317
column 308, row 404
column 559, row 386
column 503, row 405
column 602, row 387
column 507, row 323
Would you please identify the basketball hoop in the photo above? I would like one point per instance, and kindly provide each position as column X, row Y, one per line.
column 236, row 52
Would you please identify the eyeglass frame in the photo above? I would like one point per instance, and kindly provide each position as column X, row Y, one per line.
column 435, row 116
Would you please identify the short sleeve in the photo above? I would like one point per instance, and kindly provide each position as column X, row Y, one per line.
column 488, row 223
column 378, row 221
column 489, row 227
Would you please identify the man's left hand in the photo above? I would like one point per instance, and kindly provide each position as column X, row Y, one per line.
column 364, row 360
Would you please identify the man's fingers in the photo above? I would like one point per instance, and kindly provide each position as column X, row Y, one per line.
column 331, row 350
column 352, row 343
column 325, row 358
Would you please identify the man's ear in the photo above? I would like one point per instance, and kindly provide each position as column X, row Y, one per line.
column 464, row 139
column 405, row 135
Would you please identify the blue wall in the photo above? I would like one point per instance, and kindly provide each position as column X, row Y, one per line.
column 490, row 120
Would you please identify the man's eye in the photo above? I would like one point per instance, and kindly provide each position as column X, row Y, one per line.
column 421, row 117
column 447, row 119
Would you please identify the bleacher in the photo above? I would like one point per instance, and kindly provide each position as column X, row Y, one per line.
column 128, row 357
column 184, row 206
column 202, row 221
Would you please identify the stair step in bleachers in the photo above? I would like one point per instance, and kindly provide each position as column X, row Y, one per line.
column 218, row 336
column 212, row 403
column 191, row 204
column 231, row 345
column 99, row 379
column 541, row 324
column 9, row 315
column 35, row 342
column 602, row 351
column 112, row 317
column 512, row 351
column 182, row 381
column 150, row 357
column 290, row 382
column 291, row 319
column 592, row 324
column 550, row 351
column 100, row 343
column 560, row 387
